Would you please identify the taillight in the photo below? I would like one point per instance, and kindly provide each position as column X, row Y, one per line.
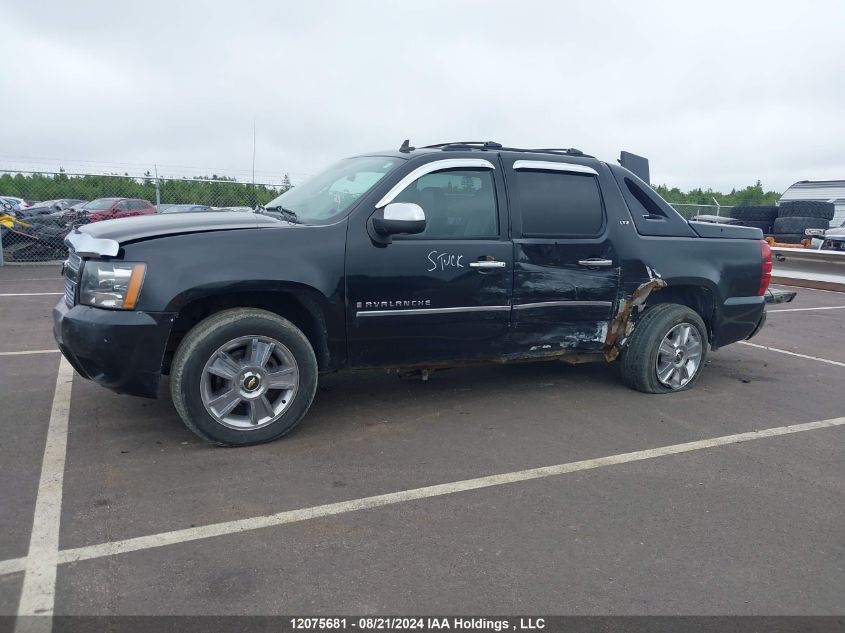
column 766, row 270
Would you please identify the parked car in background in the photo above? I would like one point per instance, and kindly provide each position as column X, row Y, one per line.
column 6, row 206
column 49, row 206
column 17, row 203
column 834, row 239
column 109, row 209
column 183, row 208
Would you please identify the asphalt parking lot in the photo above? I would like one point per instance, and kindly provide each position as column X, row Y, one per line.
column 402, row 496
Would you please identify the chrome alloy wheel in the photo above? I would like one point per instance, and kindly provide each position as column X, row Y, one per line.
column 679, row 356
column 249, row 382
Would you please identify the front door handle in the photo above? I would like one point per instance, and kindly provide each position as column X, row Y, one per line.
column 487, row 264
column 595, row 262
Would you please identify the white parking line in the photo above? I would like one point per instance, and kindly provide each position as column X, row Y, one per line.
column 12, row 566
column 784, row 351
column 806, row 309
column 30, row 294
column 294, row 516
column 39, row 583
column 34, row 351
column 39, row 594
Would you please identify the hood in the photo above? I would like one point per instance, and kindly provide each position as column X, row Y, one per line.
column 105, row 237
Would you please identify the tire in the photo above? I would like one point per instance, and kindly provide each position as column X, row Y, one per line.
column 789, row 238
column 766, row 227
column 806, row 209
column 212, row 349
column 755, row 213
column 792, row 224
column 641, row 358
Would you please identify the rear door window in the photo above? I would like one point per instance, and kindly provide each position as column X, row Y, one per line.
column 559, row 204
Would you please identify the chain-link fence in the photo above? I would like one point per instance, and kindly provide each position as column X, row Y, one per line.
column 37, row 210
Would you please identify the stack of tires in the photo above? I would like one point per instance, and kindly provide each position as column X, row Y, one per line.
column 795, row 216
column 758, row 217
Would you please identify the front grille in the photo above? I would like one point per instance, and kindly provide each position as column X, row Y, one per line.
column 73, row 264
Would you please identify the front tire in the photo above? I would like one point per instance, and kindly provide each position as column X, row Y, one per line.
column 667, row 350
column 243, row 376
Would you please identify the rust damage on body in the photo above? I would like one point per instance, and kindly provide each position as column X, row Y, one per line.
column 621, row 326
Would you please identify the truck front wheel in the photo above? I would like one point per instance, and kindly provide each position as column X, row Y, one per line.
column 666, row 350
column 243, row 376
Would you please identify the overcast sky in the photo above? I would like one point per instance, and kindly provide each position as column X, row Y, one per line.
column 715, row 94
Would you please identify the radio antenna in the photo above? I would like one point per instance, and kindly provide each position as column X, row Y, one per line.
column 254, row 197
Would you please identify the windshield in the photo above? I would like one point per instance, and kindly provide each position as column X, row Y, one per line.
column 324, row 197
column 99, row 205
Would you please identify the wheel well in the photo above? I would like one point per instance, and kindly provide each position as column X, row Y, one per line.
column 698, row 298
column 301, row 311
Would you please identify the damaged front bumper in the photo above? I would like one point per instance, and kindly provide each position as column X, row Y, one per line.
column 121, row 350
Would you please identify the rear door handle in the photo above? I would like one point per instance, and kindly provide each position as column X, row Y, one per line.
column 595, row 262
column 487, row 264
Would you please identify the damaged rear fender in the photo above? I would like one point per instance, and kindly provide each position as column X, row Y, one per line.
column 624, row 321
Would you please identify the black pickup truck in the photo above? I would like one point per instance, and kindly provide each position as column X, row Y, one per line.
column 420, row 258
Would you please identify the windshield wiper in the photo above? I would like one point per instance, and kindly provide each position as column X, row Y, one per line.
column 287, row 214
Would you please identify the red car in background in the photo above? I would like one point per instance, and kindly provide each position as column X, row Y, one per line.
column 112, row 208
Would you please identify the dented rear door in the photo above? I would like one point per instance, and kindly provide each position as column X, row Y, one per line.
column 566, row 269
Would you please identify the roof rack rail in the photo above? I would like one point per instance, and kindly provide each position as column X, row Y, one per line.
column 570, row 151
column 483, row 145
column 470, row 144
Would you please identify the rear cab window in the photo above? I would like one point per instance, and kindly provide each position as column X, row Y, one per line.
column 651, row 214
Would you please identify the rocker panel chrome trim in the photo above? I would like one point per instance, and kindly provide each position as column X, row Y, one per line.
column 418, row 311
column 573, row 304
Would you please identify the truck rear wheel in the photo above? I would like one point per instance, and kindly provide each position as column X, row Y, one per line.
column 243, row 376
column 666, row 351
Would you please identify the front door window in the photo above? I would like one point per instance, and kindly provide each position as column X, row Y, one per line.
column 459, row 204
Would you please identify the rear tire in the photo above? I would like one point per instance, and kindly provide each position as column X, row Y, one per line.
column 243, row 376
column 755, row 213
column 789, row 238
column 657, row 351
column 806, row 209
column 797, row 224
column 766, row 227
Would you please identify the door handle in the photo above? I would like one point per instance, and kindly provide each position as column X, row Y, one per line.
column 595, row 262
column 487, row 264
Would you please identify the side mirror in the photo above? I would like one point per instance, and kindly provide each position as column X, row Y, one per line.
column 396, row 218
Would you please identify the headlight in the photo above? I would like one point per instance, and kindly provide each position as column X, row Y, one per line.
column 111, row 284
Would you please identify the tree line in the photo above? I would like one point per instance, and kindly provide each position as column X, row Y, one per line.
column 218, row 191
column 751, row 195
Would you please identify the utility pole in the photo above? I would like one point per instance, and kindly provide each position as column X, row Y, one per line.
column 158, row 190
